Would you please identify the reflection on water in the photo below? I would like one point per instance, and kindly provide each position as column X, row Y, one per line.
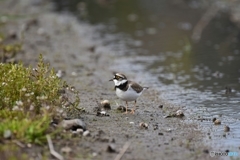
column 203, row 75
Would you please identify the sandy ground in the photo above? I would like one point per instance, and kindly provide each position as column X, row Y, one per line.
column 68, row 46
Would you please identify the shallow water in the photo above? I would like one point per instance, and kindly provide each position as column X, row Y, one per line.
column 157, row 37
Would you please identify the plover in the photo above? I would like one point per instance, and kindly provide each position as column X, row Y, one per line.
column 127, row 90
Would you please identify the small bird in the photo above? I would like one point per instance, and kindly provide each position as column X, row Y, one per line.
column 127, row 90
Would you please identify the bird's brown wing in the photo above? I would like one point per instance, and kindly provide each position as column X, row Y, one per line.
column 135, row 86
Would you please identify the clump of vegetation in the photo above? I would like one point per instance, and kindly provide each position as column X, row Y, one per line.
column 30, row 97
column 24, row 127
column 28, row 89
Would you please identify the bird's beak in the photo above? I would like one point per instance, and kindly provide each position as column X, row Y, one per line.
column 111, row 79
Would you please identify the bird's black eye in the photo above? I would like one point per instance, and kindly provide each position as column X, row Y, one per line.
column 117, row 78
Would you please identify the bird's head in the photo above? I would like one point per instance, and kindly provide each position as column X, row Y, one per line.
column 119, row 79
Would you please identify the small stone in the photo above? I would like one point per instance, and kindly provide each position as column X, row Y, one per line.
column 121, row 108
column 160, row 134
column 216, row 121
column 143, row 125
column 226, row 129
column 7, row 134
column 60, row 73
column 131, row 123
column 72, row 88
column 75, row 133
column 155, row 127
column 169, row 130
column 102, row 113
column 160, row 106
column 94, row 154
column 86, row 133
column 106, row 104
column 111, row 148
column 29, row 145
column 73, row 124
column 79, row 130
column 66, row 150
column 179, row 113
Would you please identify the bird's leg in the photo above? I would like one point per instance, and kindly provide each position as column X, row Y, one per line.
column 126, row 108
column 133, row 110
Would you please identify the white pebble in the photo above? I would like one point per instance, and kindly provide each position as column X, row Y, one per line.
column 86, row 133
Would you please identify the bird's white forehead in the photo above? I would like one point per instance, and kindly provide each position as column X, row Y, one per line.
column 120, row 75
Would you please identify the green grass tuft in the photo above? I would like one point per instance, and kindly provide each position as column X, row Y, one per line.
column 28, row 89
column 29, row 99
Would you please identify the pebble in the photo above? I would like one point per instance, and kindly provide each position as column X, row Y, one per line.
column 80, row 131
column 94, row 154
column 216, row 121
column 131, row 123
column 121, row 108
column 102, row 113
column 86, row 133
column 66, row 150
column 111, row 148
column 226, row 129
column 160, row 106
column 7, row 134
column 179, row 113
column 160, row 134
column 75, row 133
column 106, row 104
column 59, row 74
column 73, row 124
column 143, row 125
column 155, row 127
column 169, row 130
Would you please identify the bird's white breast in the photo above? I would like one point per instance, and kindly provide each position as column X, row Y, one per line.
column 129, row 95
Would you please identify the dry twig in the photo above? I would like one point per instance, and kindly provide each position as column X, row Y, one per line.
column 124, row 149
column 51, row 148
column 19, row 143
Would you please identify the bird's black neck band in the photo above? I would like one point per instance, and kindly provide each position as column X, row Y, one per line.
column 122, row 86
